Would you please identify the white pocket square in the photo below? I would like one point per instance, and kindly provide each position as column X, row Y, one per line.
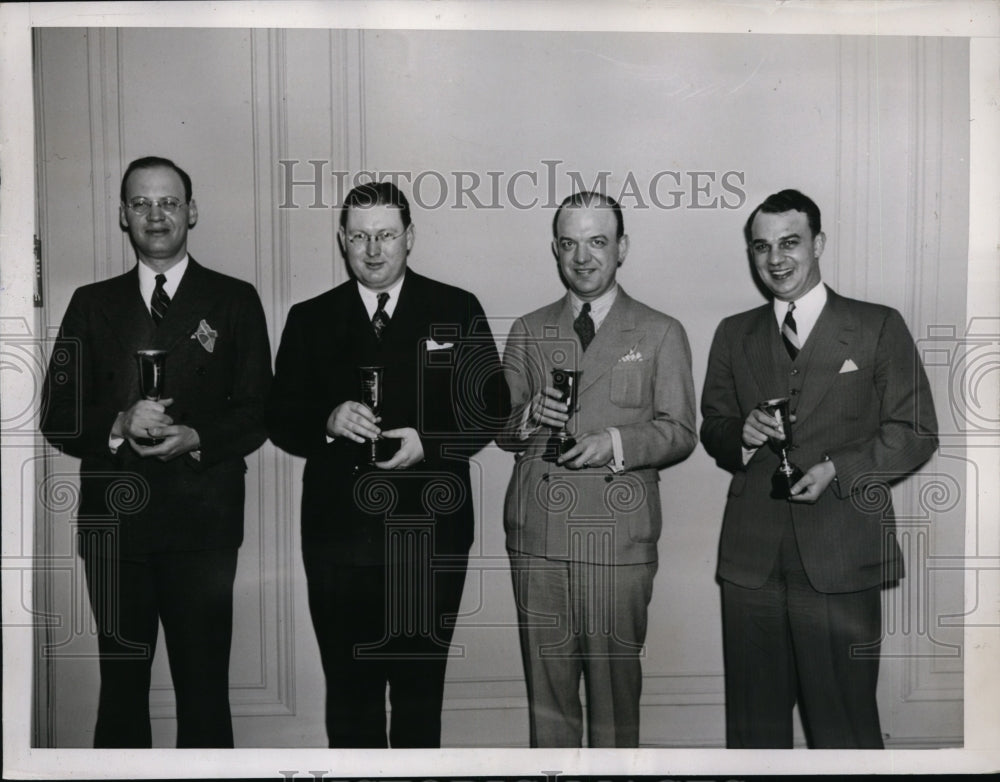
column 848, row 366
column 432, row 345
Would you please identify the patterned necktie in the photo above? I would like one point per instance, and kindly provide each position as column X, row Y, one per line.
column 584, row 325
column 160, row 301
column 381, row 318
column 789, row 334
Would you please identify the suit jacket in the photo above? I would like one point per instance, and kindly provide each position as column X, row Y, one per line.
column 636, row 376
column 186, row 503
column 876, row 423
column 442, row 377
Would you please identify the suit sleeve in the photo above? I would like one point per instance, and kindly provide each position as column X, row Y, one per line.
column 907, row 432
column 671, row 435
column 479, row 383
column 296, row 416
column 238, row 427
column 74, row 416
column 516, row 370
column 722, row 419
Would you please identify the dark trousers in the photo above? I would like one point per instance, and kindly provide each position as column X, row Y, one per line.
column 581, row 619
column 785, row 641
column 379, row 626
column 191, row 593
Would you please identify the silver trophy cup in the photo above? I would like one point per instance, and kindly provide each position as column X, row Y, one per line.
column 152, row 373
column 787, row 474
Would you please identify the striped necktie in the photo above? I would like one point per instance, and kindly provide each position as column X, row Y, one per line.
column 789, row 333
column 584, row 325
column 160, row 301
column 381, row 318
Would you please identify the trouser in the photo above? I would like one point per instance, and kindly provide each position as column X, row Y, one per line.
column 580, row 619
column 191, row 593
column 785, row 642
column 379, row 626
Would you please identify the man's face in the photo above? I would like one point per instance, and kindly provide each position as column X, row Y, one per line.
column 159, row 236
column 376, row 245
column 587, row 250
column 786, row 253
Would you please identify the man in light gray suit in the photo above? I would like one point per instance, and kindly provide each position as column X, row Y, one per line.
column 582, row 528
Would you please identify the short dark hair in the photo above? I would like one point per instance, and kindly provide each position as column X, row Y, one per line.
column 588, row 198
column 152, row 161
column 376, row 194
column 786, row 201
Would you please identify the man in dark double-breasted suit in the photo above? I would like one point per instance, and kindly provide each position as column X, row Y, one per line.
column 801, row 577
column 162, row 481
column 386, row 545
column 583, row 524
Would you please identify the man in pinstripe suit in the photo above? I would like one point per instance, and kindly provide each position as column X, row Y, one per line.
column 801, row 577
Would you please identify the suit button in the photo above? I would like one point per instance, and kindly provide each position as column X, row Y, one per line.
column 795, row 391
column 545, row 477
column 200, row 371
column 608, row 478
column 795, row 371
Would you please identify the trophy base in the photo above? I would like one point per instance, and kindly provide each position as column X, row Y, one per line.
column 148, row 441
column 556, row 446
column 380, row 450
column 782, row 483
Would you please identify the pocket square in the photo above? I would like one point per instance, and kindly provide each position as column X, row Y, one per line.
column 848, row 366
column 205, row 335
column 432, row 345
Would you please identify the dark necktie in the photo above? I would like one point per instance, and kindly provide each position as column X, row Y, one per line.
column 381, row 318
column 160, row 301
column 584, row 325
column 789, row 333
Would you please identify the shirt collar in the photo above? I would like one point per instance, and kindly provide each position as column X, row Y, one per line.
column 807, row 310
column 370, row 297
column 147, row 279
column 599, row 307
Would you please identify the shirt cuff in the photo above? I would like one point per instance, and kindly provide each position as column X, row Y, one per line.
column 617, row 463
column 748, row 454
column 114, row 443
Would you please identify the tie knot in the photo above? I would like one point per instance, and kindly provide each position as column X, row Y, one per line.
column 586, row 308
column 791, row 306
column 161, row 280
column 382, row 299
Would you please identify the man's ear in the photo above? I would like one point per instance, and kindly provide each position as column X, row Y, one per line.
column 122, row 220
column 410, row 236
column 192, row 213
column 819, row 242
column 623, row 245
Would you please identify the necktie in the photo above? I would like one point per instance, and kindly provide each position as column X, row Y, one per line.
column 789, row 334
column 381, row 318
column 584, row 325
column 160, row 301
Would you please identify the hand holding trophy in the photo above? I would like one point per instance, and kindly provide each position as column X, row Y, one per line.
column 565, row 381
column 152, row 368
column 787, row 474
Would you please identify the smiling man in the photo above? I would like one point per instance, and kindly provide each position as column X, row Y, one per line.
column 582, row 529
column 801, row 576
column 386, row 545
column 160, row 524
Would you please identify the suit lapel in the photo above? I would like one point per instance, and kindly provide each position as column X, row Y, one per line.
column 829, row 344
column 758, row 349
column 126, row 314
column 191, row 303
column 613, row 339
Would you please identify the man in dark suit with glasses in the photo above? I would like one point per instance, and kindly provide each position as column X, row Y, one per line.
column 385, row 544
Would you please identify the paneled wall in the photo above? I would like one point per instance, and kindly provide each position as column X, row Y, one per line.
column 488, row 131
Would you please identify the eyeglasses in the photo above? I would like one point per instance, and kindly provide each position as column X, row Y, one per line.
column 361, row 239
column 142, row 206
